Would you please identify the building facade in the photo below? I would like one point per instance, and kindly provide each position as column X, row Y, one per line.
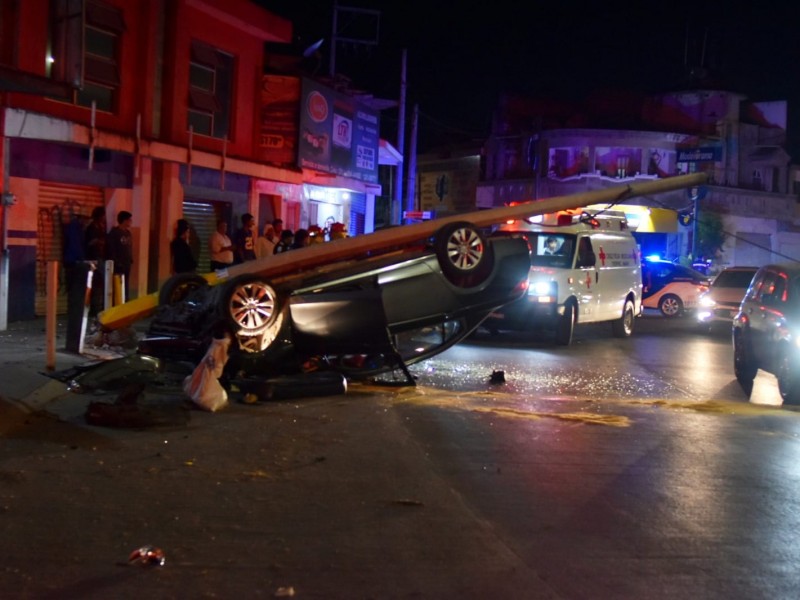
column 738, row 143
column 161, row 108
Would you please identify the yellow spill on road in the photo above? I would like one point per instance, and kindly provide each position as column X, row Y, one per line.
column 470, row 400
column 590, row 418
column 719, row 407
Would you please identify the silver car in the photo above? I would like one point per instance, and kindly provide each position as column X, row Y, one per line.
column 721, row 302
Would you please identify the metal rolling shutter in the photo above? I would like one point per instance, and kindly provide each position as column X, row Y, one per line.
column 202, row 218
column 57, row 203
column 358, row 211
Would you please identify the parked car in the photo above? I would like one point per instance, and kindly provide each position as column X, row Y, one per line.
column 766, row 330
column 359, row 317
column 721, row 302
column 672, row 289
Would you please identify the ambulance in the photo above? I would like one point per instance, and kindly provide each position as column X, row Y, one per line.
column 585, row 268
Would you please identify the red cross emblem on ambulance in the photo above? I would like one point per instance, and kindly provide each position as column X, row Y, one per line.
column 588, row 280
column 602, row 257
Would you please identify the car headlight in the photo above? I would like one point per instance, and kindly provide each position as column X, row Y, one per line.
column 707, row 301
column 543, row 290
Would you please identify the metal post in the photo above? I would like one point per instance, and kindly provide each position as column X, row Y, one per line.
column 5, row 259
column 397, row 205
column 108, row 285
column 51, row 308
column 332, row 63
column 412, row 162
column 695, row 227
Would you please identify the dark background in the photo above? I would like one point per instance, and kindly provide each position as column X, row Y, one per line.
column 462, row 55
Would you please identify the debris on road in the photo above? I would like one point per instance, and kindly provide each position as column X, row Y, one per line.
column 148, row 556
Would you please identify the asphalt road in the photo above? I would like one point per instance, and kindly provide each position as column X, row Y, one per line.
column 611, row 469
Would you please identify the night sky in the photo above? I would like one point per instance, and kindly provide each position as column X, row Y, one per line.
column 463, row 55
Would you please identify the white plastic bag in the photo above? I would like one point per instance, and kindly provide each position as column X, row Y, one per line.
column 203, row 386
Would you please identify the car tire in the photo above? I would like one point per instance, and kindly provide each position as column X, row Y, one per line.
column 670, row 306
column 565, row 327
column 623, row 327
column 463, row 253
column 744, row 368
column 788, row 378
column 178, row 287
column 249, row 305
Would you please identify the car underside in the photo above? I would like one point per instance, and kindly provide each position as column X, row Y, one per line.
column 362, row 317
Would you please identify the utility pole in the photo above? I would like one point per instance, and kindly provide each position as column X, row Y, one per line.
column 397, row 204
column 412, row 162
column 334, row 38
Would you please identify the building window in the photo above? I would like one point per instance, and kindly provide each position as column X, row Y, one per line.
column 9, row 26
column 210, row 85
column 84, row 50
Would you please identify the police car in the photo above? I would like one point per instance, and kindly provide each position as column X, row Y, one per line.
column 670, row 288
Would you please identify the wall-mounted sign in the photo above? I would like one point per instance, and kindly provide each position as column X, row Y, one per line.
column 337, row 133
column 417, row 214
column 702, row 154
column 280, row 100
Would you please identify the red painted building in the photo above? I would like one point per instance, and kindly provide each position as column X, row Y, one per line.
column 148, row 106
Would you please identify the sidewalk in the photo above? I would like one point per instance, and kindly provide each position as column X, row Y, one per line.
column 23, row 361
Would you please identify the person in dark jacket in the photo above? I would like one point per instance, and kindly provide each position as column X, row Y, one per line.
column 244, row 240
column 183, row 261
column 301, row 239
column 119, row 247
column 285, row 243
column 94, row 244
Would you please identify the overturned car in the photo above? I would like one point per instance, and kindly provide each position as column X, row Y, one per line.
column 361, row 317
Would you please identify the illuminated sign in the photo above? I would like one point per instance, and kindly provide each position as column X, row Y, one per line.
column 337, row 133
column 702, row 154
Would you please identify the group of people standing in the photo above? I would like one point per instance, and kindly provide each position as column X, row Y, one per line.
column 97, row 244
column 248, row 245
column 93, row 243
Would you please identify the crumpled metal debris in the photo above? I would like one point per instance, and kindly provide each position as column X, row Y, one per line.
column 498, row 377
column 148, row 556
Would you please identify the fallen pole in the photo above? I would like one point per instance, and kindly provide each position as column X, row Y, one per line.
column 347, row 248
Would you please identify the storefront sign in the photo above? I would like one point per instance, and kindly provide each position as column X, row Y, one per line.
column 280, row 105
column 337, row 133
column 702, row 154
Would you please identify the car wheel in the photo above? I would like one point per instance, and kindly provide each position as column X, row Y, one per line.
column 623, row 327
column 788, row 378
column 178, row 287
column 743, row 366
column 670, row 305
column 249, row 304
column 463, row 254
column 566, row 326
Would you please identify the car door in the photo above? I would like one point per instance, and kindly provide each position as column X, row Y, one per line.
column 753, row 308
column 772, row 318
column 586, row 281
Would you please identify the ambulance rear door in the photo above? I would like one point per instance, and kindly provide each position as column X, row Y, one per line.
column 618, row 272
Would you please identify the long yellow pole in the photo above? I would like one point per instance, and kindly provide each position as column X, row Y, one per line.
column 336, row 250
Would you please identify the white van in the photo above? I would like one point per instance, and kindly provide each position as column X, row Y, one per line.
column 585, row 268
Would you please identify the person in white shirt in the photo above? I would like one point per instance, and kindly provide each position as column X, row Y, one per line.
column 220, row 247
column 265, row 244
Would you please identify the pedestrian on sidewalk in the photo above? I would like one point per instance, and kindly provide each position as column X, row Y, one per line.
column 183, row 261
column 220, row 247
column 119, row 248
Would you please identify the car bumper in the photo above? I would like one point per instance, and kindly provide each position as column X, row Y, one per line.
column 526, row 313
column 717, row 314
